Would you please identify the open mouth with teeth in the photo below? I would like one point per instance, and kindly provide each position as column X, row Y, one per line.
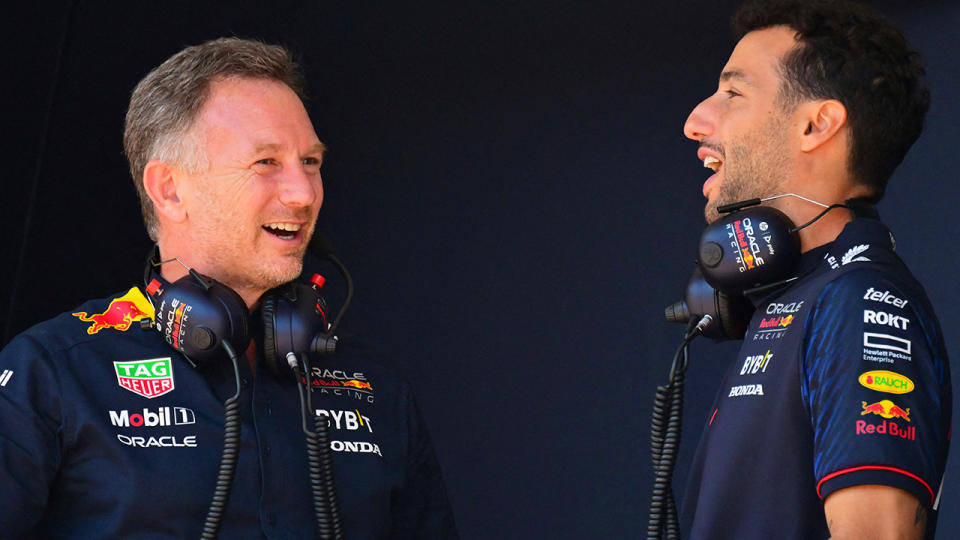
column 712, row 163
column 284, row 231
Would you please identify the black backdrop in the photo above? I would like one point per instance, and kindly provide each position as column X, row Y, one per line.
column 509, row 185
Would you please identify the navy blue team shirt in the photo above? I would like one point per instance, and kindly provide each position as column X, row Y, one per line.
column 107, row 432
column 842, row 380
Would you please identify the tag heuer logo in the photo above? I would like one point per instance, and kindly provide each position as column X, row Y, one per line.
column 149, row 378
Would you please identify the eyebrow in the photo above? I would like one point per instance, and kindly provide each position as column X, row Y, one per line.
column 734, row 74
column 319, row 148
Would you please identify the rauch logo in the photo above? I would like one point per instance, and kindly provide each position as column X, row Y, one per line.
column 886, row 381
column 148, row 378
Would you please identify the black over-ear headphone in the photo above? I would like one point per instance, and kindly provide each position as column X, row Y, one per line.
column 196, row 312
column 751, row 249
column 748, row 249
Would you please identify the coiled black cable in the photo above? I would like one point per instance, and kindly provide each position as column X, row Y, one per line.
column 228, row 459
column 320, row 462
column 665, row 431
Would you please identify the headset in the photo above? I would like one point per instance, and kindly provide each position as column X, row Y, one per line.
column 196, row 313
column 751, row 249
column 207, row 321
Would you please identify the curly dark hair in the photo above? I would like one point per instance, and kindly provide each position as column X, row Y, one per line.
column 854, row 56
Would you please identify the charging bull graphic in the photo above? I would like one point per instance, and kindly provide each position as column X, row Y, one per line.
column 886, row 409
column 120, row 314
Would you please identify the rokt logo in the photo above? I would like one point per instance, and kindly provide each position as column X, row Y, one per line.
column 162, row 417
column 886, row 381
column 885, row 319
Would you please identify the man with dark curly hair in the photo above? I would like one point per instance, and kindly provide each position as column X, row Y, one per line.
column 833, row 420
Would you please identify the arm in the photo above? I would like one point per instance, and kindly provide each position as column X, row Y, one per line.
column 872, row 511
column 877, row 389
column 29, row 435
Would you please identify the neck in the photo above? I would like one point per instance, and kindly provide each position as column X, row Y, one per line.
column 173, row 271
column 825, row 229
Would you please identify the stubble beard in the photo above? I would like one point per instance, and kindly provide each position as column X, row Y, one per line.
column 758, row 167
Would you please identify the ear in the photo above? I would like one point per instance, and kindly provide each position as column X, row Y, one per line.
column 161, row 181
column 824, row 120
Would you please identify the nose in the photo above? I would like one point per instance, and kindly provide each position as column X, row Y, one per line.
column 700, row 123
column 300, row 186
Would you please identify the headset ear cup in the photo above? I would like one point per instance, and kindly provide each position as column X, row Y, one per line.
column 268, row 311
column 734, row 312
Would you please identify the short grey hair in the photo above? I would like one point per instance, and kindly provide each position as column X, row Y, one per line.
column 166, row 103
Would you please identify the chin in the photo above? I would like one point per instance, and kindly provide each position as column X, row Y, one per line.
column 281, row 273
column 710, row 213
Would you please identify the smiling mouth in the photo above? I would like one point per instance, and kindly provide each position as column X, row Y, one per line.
column 712, row 163
column 284, row 231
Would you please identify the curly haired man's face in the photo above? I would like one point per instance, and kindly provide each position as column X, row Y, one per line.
column 743, row 130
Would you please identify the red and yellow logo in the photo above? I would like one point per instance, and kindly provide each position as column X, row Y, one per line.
column 886, row 381
column 886, row 409
column 120, row 314
column 357, row 384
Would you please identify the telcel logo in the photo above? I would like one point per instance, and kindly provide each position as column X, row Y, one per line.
column 884, row 297
column 162, row 417
column 886, row 381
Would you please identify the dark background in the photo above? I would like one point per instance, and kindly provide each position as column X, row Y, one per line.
column 508, row 183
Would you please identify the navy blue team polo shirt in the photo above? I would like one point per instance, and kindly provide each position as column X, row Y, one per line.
column 842, row 380
column 106, row 432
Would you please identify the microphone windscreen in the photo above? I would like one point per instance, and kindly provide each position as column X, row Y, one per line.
column 677, row 312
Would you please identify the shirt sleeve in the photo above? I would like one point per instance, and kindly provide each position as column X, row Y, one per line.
column 30, row 433
column 421, row 508
column 876, row 384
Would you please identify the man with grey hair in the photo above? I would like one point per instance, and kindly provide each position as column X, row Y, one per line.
column 108, row 431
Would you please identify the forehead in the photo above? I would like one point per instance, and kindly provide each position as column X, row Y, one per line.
column 756, row 60
column 245, row 105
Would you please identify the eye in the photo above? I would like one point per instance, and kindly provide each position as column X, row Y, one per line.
column 310, row 161
column 731, row 93
column 265, row 161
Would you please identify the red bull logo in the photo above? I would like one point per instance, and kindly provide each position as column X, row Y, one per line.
column 357, row 384
column 888, row 428
column 886, row 409
column 120, row 314
column 776, row 322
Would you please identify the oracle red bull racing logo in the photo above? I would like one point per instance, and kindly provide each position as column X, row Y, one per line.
column 744, row 241
column 148, row 378
column 342, row 383
column 120, row 314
